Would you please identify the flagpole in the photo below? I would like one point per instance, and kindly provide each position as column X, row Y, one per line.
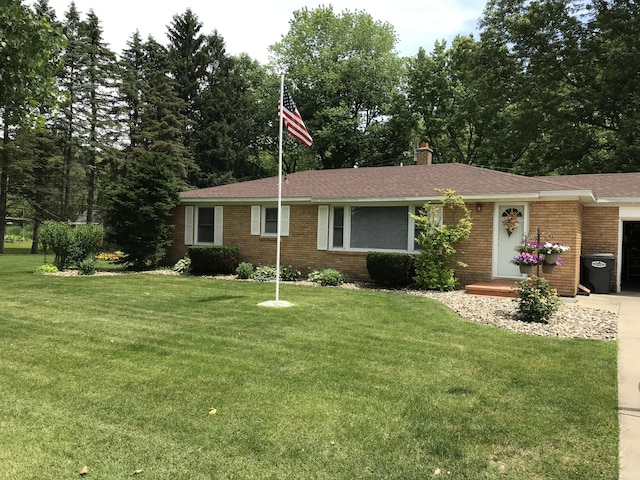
column 279, row 191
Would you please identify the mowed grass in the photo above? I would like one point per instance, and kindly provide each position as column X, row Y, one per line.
column 119, row 373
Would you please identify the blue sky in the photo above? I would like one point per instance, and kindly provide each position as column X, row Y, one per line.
column 252, row 25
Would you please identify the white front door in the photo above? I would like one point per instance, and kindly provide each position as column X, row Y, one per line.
column 510, row 227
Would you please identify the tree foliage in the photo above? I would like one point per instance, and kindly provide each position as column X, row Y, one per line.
column 437, row 240
column 139, row 209
column 28, row 51
column 346, row 79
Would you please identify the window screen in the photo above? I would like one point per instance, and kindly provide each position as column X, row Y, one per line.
column 379, row 227
column 205, row 225
column 338, row 227
column 271, row 220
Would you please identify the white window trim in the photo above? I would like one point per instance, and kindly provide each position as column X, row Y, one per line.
column 218, row 223
column 188, row 224
column 346, row 241
column 258, row 216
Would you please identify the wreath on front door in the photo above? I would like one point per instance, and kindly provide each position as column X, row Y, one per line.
column 511, row 220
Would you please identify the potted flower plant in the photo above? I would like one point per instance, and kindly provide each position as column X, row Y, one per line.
column 551, row 251
column 548, row 267
column 527, row 247
column 526, row 261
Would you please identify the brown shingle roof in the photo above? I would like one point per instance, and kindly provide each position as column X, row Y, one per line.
column 603, row 185
column 414, row 181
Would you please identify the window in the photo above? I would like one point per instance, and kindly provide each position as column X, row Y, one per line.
column 205, row 225
column 384, row 228
column 362, row 228
column 338, row 227
column 435, row 215
column 271, row 221
column 264, row 220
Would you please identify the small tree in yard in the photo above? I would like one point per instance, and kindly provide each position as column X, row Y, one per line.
column 434, row 265
column 139, row 209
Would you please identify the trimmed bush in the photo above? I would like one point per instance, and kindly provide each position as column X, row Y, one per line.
column 59, row 237
column 245, row 271
column 392, row 269
column 88, row 242
column 213, row 260
column 289, row 274
column 327, row 277
column 87, row 267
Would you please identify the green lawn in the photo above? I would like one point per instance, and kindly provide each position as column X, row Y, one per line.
column 119, row 373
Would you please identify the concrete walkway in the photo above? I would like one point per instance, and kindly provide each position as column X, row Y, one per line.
column 627, row 306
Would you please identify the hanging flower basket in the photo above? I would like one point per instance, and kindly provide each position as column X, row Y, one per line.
column 551, row 258
column 526, row 269
column 525, row 261
column 548, row 267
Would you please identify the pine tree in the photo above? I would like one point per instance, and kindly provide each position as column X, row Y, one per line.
column 97, row 96
column 140, row 207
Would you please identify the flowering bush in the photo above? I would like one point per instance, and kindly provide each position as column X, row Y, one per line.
column 548, row 247
column 525, row 258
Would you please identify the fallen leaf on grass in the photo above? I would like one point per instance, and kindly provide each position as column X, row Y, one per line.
column 84, row 471
column 213, row 411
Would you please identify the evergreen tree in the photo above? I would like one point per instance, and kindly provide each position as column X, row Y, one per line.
column 97, row 97
column 216, row 100
column 140, row 207
column 70, row 124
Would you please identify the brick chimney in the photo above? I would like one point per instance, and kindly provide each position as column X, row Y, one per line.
column 424, row 154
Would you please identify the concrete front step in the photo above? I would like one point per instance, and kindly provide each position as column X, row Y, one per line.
column 493, row 288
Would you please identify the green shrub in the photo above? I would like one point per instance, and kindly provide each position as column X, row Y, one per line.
column 435, row 262
column 14, row 239
column 87, row 267
column 46, row 268
column 212, row 260
column 393, row 269
column 183, row 266
column 538, row 302
column 88, row 242
column 327, row 277
column 60, row 239
column 265, row 273
column 289, row 274
column 245, row 271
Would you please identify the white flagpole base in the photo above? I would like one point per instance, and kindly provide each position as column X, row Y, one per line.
column 276, row 303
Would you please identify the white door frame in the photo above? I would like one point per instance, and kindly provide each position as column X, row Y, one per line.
column 523, row 229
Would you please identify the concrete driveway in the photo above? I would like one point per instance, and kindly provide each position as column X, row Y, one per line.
column 627, row 306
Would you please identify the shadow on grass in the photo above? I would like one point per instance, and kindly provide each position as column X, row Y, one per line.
column 221, row 298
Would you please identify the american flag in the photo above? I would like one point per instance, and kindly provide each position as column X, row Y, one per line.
column 293, row 119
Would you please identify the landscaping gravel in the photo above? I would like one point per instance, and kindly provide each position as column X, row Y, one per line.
column 571, row 320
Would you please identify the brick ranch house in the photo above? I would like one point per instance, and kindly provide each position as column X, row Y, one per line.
column 332, row 218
